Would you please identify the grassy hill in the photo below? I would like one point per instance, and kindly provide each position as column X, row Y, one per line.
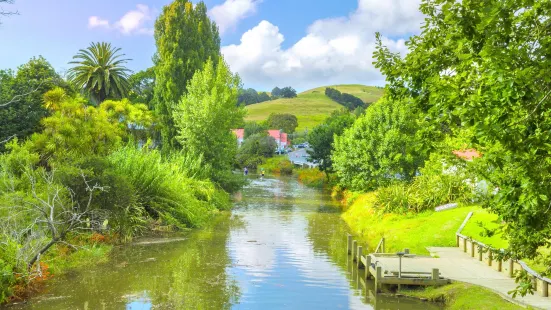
column 366, row 93
column 311, row 107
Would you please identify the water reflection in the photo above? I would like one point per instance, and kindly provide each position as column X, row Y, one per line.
column 283, row 247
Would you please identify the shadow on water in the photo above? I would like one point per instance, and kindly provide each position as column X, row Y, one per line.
column 283, row 247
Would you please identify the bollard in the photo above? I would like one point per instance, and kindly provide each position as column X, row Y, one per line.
column 354, row 250
column 472, row 248
column 368, row 266
column 360, row 263
column 349, row 244
column 489, row 258
column 511, row 271
column 480, row 250
column 464, row 245
column 435, row 274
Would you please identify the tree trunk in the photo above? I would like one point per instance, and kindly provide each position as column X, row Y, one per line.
column 42, row 251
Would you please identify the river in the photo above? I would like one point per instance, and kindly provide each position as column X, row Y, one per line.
column 282, row 247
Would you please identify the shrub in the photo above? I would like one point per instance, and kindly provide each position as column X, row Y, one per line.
column 312, row 177
column 278, row 165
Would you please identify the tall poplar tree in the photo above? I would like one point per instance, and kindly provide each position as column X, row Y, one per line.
column 186, row 38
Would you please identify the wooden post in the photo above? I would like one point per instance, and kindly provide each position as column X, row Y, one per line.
column 457, row 240
column 360, row 263
column 368, row 265
column 542, row 288
column 354, row 250
column 406, row 250
column 435, row 274
column 511, row 268
column 480, row 250
column 499, row 265
column 489, row 257
column 383, row 246
column 464, row 244
column 349, row 244
column 472, row 247
column 378, row 277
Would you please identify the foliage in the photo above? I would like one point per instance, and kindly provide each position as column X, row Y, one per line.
column 252, row 128
column 76, row 130
column 279, row 165
column 347, row 100
column 250, row 96
column 142, row 85
column 100, row 72
column 286, row 122
column 382, row 146
column 210, row 106
column 480, row 64
column 255, row 148
column 167, row 188
column 24, row 89
column 186, row 38
column 321, row 138
column 285, row 92
column 312, row 177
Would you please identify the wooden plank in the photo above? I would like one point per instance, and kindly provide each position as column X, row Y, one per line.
column 414, row 281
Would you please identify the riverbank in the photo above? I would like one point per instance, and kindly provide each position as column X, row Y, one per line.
column 417, row 231
column 311, row 177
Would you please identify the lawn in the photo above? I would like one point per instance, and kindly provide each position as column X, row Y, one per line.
column 415, row 231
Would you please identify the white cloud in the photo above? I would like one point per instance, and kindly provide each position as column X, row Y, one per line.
column 228, row 14
column 136, row 21
column 96, row 22
column 337, row 50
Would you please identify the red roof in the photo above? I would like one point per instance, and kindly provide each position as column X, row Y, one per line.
column 276, row 135
column 240, row 133
column 469, row 154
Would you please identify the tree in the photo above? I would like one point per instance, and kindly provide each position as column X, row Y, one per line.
column 483, row 65
column 186, row 38
column 288, row 92
column 276, row 92
column 286, row 122
column 252, row 128
column 347, row 100
column 248, row 96
column 100, row 72
column 21, row 94
column 321, row 137
column 142, row 85
column 6, row 13
column 255, row 148
column 382, row 146
column 263, row 96
column 210, row 106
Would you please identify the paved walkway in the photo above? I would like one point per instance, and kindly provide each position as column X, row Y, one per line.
column 454, row 264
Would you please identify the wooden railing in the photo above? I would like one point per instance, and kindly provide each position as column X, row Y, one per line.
column 483, row 252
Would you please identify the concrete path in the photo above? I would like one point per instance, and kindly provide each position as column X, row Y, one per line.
column 454, row 264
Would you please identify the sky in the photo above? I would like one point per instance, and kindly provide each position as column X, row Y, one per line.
column 298, row 43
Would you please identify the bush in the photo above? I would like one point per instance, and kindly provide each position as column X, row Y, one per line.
column 278, row 165
column 165, row 187
column 255, row 149
column 312, row 177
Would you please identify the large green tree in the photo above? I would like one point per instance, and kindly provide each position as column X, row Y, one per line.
column 382, row 146
column 485, row 65
column 21, row 105
column 142, row 86
column 284, row 121
column 100, row 72
column 207, row 113
column 186, row 38
column 321, row 137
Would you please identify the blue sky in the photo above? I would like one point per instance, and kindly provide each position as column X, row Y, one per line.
column 301, row 43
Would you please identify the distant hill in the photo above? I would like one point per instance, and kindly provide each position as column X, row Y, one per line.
column 311, row 107
column 366, row 93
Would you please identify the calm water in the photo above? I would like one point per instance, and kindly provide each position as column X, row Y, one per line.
column 283, row 247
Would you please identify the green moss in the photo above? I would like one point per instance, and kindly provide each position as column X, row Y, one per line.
column 458, row 296
column 413, row 231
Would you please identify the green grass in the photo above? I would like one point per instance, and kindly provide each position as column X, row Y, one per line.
column 482, row 222
column 311, row 107
column 366, row 93
column 413, row 231
column 87, row 255
column 459, row 296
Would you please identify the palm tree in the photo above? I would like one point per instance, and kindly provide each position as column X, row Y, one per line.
column 100, row 72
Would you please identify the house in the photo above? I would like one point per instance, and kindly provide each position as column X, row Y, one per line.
column 280, row 137
column 240, row 134
column 468, row 154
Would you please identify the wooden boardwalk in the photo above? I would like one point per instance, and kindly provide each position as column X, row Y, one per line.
column 454, row 264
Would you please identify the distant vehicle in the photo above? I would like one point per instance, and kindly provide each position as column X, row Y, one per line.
column 300, row 146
